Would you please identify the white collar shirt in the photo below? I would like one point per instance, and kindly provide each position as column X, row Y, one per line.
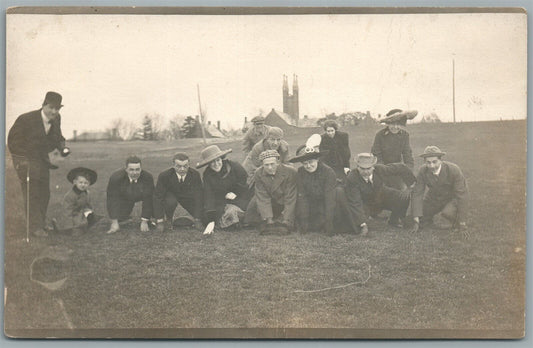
column 438, row 171
column 46, row 122
column 181, row 178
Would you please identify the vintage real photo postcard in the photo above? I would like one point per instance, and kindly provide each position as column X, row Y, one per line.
column 265, row 173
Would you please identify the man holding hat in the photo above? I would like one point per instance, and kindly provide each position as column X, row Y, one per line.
column 179, row 184
column 367, row 193
column 272, row 141
column 275, row 194
column 445, row 202
column 256, row 133
column 33, row 136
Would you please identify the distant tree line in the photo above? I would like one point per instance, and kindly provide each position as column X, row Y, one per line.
column 152, row 128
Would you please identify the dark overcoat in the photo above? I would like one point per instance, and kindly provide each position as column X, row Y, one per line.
column 315, row 206
column 338, row 152
column 393, row 148
column 231, row 178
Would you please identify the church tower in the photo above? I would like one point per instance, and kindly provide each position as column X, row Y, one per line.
column 291, row 101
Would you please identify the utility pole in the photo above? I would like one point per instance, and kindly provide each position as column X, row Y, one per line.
column 453, row 88
column 202, row 119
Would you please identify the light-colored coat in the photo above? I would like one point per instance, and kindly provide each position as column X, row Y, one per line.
column 73, row 207
column 278, row 189
column 252, row 162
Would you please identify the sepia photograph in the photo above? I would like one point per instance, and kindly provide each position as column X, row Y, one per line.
column 265, row 173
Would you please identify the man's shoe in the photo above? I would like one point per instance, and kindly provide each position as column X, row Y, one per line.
column 40, row 233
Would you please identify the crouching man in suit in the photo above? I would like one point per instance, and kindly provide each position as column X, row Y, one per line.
column 445, row 202
column 126, row 187
column 179, row 184
column 275, row 195
column 368, row 195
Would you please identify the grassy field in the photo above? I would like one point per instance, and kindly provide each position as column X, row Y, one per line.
column 432, row 281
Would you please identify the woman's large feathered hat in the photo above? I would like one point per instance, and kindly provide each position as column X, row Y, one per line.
column 399, row 117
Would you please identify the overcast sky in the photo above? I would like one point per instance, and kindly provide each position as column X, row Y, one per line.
column 109, row 66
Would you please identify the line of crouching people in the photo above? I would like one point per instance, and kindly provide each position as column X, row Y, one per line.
column 276, row 198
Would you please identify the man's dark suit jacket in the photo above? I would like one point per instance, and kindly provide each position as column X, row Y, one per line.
column 121, row 194
column 28, row 138
column 191, row 190
column 359, row 193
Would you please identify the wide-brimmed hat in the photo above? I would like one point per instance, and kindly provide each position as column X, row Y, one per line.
column 267, row 154
column 211, row 153
column 53, row 98
column 87, row 173
column 365, row 160
column 305, row 153
column 432, row 151
column 258, row 119
column 399, row 116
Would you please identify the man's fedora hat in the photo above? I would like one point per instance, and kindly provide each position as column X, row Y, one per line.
column 258, row 120
column 53, row 98
column 432, row 151
column 211, row 153
column 85, row 172
column 365, row 160
column 305, row 153
column 399, row 116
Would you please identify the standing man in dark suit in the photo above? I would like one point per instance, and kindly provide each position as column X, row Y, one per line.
column 126, row 187
column 179, row 184
column 32, row 137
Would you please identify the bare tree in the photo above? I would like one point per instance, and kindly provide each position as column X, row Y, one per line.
column 174, row 127
column 122, row 129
